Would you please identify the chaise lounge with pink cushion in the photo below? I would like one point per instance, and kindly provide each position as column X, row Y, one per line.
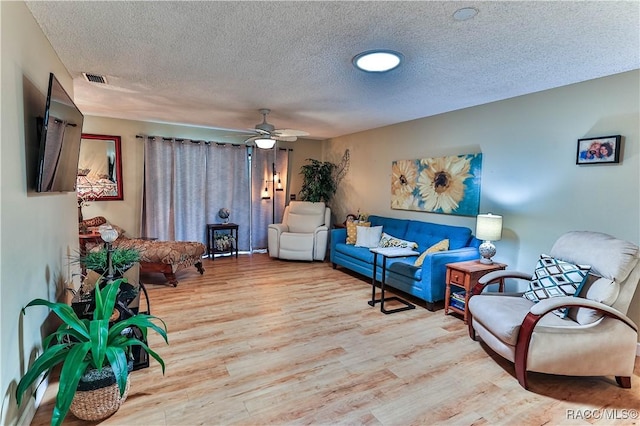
column 167, row 257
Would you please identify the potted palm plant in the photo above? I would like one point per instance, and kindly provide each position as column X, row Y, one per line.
column 89, row 349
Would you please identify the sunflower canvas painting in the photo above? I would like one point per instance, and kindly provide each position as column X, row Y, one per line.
column 449, row 185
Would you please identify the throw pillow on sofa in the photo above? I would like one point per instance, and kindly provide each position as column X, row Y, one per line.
column 387, row 240
column 439, row 246
column 555, row 278
column 351, row 230
column 368, row 236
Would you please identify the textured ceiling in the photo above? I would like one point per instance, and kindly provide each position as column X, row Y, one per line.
column 214, row 63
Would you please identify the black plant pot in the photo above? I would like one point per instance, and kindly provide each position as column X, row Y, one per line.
column 84, row 305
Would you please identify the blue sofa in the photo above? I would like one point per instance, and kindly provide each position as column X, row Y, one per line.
column 426, row 282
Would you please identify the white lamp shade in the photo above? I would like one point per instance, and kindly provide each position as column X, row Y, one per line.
column 264, row 143
column 489, row 227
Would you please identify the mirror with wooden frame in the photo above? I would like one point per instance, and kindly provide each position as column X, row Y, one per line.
column 100, row 168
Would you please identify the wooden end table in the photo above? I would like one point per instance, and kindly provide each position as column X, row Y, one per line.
column 464, row 276
column 212, row 228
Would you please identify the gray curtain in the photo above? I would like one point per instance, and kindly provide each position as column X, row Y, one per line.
column 190, row 188
column 186, row 183
column 266, row 211
column 174, row 179
column 227, row 185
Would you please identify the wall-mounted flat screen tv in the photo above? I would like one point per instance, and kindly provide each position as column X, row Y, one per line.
column 59, row 132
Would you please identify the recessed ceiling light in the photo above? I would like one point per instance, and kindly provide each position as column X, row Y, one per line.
column 465, row 13
column 377, row 60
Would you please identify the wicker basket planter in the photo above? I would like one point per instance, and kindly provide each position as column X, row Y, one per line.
column 98, row 404
column 97, row 396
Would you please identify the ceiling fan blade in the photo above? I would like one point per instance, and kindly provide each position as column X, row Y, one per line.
column 260, row 132
column 285, row 138
column 252, row 138
column 239, row 135
column 290, row 132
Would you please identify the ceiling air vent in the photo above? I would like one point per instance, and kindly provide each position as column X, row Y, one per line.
column 95, row 78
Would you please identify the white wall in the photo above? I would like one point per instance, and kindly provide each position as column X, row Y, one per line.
column 529, row 173
column 38, row 231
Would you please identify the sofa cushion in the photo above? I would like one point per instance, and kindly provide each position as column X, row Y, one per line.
column 368, row 236
column 406, row 268
column 555, row 278
column 392, row 226
column 439, row 246
column 357, row 253
column 504, row 319
column 427, row 234
column 387, row 240
column 352, row 231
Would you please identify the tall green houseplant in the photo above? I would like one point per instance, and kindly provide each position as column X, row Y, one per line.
column 318, row 183
column 80, row 345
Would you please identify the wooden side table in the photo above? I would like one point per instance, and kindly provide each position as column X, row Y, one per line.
column 212, row 228
column 463, row 277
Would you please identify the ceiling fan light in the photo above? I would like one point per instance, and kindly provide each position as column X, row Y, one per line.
column 377, row 60
column 264, row 143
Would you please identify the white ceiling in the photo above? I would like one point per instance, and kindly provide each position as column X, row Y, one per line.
column 214, row 63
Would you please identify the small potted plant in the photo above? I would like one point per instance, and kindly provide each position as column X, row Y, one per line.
column 91, row 349
column 224, row 242
column 121, row 260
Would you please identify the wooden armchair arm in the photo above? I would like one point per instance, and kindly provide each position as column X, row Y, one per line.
column 545, row 306
column 541, row 309
column 495, row 276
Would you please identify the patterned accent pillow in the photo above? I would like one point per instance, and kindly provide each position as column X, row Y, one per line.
column 93, row 222
column 387, row 240
column 555, row 278
column 439, row 246
column 352, row 231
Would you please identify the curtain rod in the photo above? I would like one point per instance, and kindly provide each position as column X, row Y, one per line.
column 199, row 141
column 164, row 138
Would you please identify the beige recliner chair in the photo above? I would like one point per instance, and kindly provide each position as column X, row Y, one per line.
column 596, row 338
column 303, row 233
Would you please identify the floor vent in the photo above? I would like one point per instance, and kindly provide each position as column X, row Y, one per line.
column 95, row 78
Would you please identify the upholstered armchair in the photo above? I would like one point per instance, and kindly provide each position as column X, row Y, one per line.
column 303, row 233
column 587, row 335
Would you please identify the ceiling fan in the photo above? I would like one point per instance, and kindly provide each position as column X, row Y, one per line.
column 265, row 134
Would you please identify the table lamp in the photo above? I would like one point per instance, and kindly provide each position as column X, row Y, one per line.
column 109, row 235
column 488, row 228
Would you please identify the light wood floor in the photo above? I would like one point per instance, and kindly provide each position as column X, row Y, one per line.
column 261, row 341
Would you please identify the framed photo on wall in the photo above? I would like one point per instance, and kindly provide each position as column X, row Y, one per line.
column 604, row 149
